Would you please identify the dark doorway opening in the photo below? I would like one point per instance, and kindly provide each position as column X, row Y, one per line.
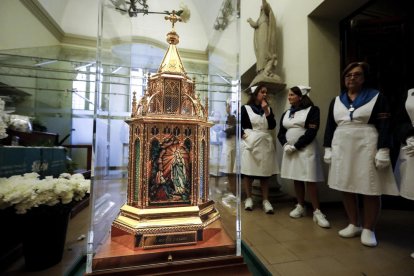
column 382, row 33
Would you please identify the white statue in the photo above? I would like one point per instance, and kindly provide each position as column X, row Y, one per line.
column 265, row 39
column 265, row 48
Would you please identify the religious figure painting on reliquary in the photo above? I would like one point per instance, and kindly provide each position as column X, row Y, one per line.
column 170, row 168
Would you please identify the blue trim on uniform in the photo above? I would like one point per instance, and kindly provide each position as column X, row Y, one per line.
column 361, row 99
column 257, row 109
column 292, row 111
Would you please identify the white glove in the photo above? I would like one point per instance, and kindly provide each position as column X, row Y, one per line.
column 409, row 150
column 289, row 148
column 328, row 155
column 382, row 158
column 410, row 141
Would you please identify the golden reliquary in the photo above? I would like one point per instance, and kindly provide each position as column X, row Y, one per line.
column 168, row 176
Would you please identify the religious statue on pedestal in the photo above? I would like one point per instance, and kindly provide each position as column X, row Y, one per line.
column 265, row 48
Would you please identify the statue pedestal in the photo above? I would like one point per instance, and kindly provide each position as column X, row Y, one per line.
column 273, row 82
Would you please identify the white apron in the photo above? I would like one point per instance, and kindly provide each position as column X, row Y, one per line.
column 228, row 155
column 354, row 146
column 303, row 164
column 258, row 151
column 404, row 170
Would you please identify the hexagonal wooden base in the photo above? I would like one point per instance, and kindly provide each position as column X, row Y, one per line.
column 163, row 227
column 215, row 243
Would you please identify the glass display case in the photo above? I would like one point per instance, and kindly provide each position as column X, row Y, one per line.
column 52, row 94
column 165, row 173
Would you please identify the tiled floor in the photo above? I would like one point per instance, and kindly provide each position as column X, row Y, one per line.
column 296, row 247
column 289, row 246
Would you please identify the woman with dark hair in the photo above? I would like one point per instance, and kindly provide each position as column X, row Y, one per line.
column 301, row 160
column 357, row 148
column 258, row 151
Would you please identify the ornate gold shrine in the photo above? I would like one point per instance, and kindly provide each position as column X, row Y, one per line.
column 168, row 176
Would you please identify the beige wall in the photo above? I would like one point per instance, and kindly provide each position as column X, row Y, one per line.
column 20, row 29
column 324, row 77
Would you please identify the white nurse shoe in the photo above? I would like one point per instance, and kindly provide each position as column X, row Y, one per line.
column 248, row 204
column 350, row 231
column 320, row 219
column 368, row 238
column 267, row 207
column 298, row 212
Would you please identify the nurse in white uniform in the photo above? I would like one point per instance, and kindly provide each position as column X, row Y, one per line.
column 357, row 148
column 258, row 149
column 301, row 160
column 404, row 170
column 228, row 155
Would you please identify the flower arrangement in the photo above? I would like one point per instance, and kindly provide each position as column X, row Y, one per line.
column 27, row 191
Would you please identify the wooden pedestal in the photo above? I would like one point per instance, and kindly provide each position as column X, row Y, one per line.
column 215, row 252
column 222, row 265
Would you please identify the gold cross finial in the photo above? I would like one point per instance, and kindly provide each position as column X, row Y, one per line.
column 173, row 17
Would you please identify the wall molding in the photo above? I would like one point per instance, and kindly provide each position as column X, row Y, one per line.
column 43, row 16
column 53, row 27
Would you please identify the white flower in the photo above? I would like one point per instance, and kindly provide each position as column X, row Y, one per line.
column 31, row 175
column 65, row 175
column 27, row 191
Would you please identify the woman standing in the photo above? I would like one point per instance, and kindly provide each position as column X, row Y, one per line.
column 405, row 164
column 301, row 160
column 228, row 155
column 357, row 147
column 258, row 151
